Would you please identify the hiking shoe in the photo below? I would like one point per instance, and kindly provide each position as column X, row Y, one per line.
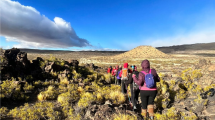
column 151, row 118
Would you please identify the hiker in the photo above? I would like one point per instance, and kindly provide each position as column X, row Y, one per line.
column 109, row 69
column 147, row 79
column 133, row 87
column 124, row 74
column 114, row 71
column 117, row 75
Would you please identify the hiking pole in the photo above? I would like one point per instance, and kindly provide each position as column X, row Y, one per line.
column 133, row 96
column 115, row 80
column 128, row 97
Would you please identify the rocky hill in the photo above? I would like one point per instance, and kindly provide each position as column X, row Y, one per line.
column 142, row 52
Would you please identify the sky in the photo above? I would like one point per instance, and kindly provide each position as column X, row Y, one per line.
column 105, row 24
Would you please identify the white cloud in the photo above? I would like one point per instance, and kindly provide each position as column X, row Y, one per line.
column 202, row 36
column 190, row 38
column 24, row 24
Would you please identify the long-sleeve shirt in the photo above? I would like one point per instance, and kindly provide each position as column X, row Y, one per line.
column 114, row 71
column 141, row 80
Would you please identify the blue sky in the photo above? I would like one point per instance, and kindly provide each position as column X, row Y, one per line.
column 105, row 24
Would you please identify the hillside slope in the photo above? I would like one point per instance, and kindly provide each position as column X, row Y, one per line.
column 142, row 52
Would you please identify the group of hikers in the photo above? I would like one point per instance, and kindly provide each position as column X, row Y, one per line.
column 143, row 83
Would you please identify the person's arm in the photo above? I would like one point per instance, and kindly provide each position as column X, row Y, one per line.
column 140, row 80
column 120, row 74
column 156, row 77
column 130, row 71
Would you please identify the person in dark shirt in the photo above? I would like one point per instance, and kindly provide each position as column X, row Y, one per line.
column 134, row 88
column 117, row 75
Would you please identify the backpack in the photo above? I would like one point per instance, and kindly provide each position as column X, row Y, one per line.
column 149, row 79
column 124, row 74
column 135, row 84
column 109, row 70
column 117, row 74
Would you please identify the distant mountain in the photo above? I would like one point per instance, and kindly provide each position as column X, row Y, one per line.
column 197, row 46
column 43, row 51
column 165, row 49
column 62, row 51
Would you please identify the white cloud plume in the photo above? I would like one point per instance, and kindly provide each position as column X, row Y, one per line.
column 24, row 24
column 191, row 38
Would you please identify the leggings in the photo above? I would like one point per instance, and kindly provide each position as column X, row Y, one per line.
column 147, row 97
column 123, row 87
column 118, row 81
column 134, row 94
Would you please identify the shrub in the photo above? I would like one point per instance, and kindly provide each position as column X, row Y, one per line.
column 124, row 117
column 117, row 97
column 28, row 87
column 80, row 89
column 64, row 80
column 38, row 111
column 99, row 97
column 7, row 88
column 189, row 74
column 37, row 83
column 51, row 88
column 4, row 111
column 69, row 93
column 108, row 78
column 10, row 86
column 50, row 94
column 181, row 94
column 64, row 97
column 86, row 99
column 77, row 75
column 171, row 114
column 46, row 83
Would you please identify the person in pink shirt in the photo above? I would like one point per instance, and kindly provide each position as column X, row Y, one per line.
column 147, row 94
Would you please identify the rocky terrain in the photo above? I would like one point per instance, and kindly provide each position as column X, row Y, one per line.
column 59, row 89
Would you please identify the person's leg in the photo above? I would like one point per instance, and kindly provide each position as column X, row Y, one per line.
column 136, row 95
column 144, row 100
column 119, row 81
column 123, row 87
column 151, row 99
column 126, row 88
column 132, row 96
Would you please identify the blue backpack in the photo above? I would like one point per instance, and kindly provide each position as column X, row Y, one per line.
column 149, row 79
column 117, row 74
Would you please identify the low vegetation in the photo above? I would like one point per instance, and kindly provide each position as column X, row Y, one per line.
column 70, row 92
